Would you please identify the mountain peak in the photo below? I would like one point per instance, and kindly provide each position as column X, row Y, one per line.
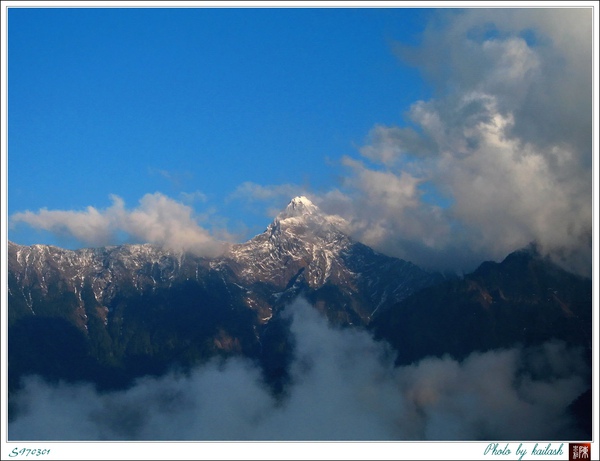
column 302, row 215
column 299, row 206
column 301, row 200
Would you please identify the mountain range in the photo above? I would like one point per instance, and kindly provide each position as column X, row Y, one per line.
column 113, row 314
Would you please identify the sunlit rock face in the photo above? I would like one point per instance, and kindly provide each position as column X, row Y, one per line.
column 140, row 308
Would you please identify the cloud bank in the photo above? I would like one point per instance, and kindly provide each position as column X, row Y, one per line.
column 344, row 387
column 158, row 219
column 500, row 157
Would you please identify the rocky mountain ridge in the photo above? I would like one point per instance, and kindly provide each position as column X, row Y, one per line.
column 300, row 245
column 139, row 309
column 114, row 314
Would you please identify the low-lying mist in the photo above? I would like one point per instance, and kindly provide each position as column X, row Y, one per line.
column 343, row 386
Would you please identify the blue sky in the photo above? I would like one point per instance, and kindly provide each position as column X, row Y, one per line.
column 442, row 136
column 132, row 101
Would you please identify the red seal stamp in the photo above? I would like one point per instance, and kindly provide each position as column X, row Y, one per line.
column 580, row 451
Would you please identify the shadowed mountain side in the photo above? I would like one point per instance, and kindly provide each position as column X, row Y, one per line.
column 524, row 300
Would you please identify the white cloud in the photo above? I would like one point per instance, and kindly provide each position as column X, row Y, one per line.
column 344, row 387
column 505, row 145
column 158, row 219
column 92, row 226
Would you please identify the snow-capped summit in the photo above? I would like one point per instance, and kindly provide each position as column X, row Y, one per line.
column 300, row 237
column 303, row 218
column 299, row 206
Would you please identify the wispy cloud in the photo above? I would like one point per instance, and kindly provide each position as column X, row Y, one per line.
column 192, row 197
column 271, row 197
column 157, row 219
column 176, row 178
column 344, row 387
